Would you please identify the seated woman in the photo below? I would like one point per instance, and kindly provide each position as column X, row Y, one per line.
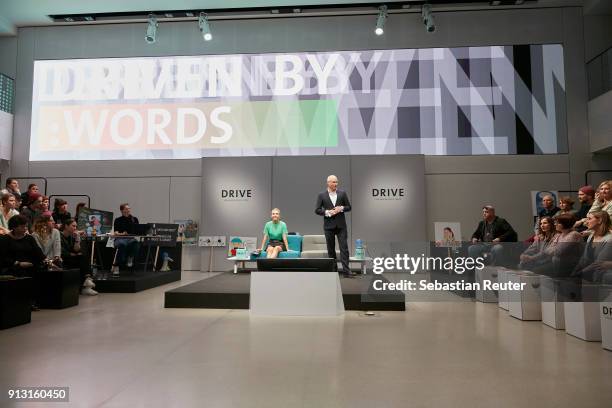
column 534, row 255
column 48, row 238
column 563, row 252
column 598, row 250
column 275, row 233
column 7, row 211
column 566, row 206
column 20, row 255
column 60, row 212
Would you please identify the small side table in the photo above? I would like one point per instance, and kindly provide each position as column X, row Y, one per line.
column 236, row 261
column 363, row 263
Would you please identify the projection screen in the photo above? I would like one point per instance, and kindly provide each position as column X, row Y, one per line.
column 440, row 101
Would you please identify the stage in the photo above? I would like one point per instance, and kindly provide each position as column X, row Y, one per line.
column 135, row 282
column 231, row 291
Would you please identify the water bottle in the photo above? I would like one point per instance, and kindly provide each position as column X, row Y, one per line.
column 359, row 252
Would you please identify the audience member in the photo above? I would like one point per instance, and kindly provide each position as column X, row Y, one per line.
column 26, row 197
column 45, row 204
column 48, row 238
column 586, row 195
column 535, row 255
column 603, row 198
column 489, row 235
column 7, row 210
column 60, row 212
column 12, row 187
column 127, row 248
column 33, row 210
column 565, row 248
column 72, row 256
column 598, row 250
column 566, row 206
column 20, row 255
column 549, row 209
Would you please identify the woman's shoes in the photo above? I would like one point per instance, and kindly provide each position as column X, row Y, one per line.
column 88, row 286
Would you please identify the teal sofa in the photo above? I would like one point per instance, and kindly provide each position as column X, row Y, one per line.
column 294, row 250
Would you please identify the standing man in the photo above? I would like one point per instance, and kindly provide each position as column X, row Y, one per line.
column 331, row 205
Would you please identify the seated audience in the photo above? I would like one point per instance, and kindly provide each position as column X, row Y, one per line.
column 598, row 250
column 565, row 249
column 72, row 256
column 549, row 209
column 275, row 234
column 586, row 196
column 566, row 206
column 48, row 238
column 7, row 210
column 12, row 187
column 489, row 235
column 603, row 198
column 33, row 210
column 20, row 255
column 535, row 255
column 45, row 204
column 60, row 212
column 26, row 197
column 127, row 248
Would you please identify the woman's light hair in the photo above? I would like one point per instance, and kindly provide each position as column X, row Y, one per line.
column 606, row 224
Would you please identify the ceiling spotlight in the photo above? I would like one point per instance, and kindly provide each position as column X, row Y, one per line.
column 204, row 27
column 151, row 35
column 380, row 21
column 428, row 18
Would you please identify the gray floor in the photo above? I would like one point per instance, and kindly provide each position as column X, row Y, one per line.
column 126, row 350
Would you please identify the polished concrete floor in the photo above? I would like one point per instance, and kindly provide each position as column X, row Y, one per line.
column 126, row 350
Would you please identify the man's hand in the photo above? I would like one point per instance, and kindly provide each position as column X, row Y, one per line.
column 474, row 240
column 25, row 265
column 496, row 240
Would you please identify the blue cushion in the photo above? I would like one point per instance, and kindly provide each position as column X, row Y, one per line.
column 294, row 250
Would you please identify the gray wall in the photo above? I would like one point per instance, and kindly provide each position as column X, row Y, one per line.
column 473, row 28
column 597, row 35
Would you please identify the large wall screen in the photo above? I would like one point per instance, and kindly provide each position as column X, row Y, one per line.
column 439, row 101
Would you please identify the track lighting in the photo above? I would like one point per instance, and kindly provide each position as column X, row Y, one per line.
column 428, row 18
column 380, row 21
column 204, row 27
column 151, row 35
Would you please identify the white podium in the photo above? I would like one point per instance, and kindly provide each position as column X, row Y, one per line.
column 605, row 309
column 553, row 311
column 525, row 304
column 296, row 294
column 480, row 275
column 503, row 295
column 582, row 320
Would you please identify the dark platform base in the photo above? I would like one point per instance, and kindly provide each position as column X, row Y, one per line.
column 231, row 291
column 60, row 289
column 15, row 302
column 131, row 283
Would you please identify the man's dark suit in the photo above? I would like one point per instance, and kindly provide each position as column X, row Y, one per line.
column 335, row 225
